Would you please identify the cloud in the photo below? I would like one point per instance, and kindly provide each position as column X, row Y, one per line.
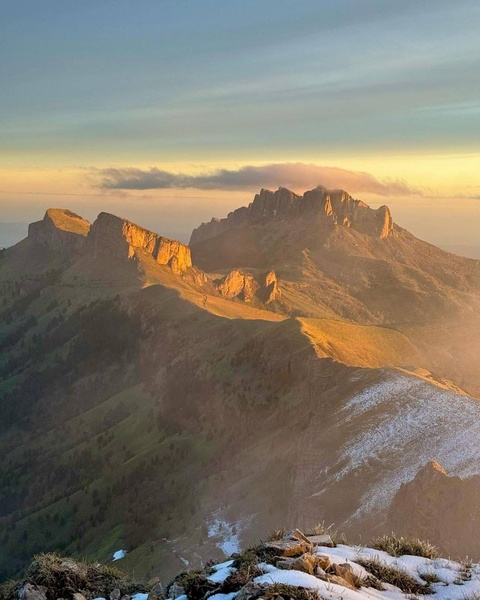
column 298, row 176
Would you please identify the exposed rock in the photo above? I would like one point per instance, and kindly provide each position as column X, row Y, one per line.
column 115, row 594
column 345, row 571
column 113, row 236
column 268, row 290
column 32, row 592
column 79, row 596
column 341, row 581
column 333, row 206
column 236, row 284
column 443, row 509
column 295, row 534
column 157, row 592
column 306, row 563
column 320, row 540
column 323, row 562
column 60, row 230
column 251, row 591
column 288, row 547
column 175, row 591
column 245, row 286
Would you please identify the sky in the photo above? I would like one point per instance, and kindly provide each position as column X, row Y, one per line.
column 169, row 112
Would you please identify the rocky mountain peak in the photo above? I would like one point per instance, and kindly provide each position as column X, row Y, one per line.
column 114, row 236
column 61, row 230
column 335, row 207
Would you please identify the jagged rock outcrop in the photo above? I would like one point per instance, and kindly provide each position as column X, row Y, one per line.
column 114, row 236
column 245, row 286
column 444, row 509
column 64, row 231
column 60, row 230
column 330, row 206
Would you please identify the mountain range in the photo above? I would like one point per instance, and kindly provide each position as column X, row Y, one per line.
column 297, row 362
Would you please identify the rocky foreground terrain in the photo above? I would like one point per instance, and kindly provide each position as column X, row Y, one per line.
column 298, row 362
column 289, row 566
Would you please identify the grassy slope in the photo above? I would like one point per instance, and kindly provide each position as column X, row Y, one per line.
column 200, row 388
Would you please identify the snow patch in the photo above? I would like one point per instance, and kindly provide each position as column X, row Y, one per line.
column 403, row 423
column 227, row 534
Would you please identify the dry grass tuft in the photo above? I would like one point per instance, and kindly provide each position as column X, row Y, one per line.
column 65, row 576
column 400, row 546
column 393, row 575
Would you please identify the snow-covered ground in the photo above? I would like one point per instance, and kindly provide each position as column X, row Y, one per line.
column 402, row 423
column 456, row 581
column 447, row 572
column 227, row 534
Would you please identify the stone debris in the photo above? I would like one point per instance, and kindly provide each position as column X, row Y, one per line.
column 320, row 540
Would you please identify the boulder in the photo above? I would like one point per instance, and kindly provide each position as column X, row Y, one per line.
column 320, row 540
column 340, row 581
column 156, row 593
column 306, row 563
column 289, row 547
column 345, row 571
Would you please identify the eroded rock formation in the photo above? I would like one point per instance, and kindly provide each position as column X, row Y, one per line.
column 332, row 206
column 61, row 230
column 111, row 235
column 245, row 286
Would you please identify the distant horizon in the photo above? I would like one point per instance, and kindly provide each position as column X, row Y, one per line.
column 173, row 113
column 432, row 228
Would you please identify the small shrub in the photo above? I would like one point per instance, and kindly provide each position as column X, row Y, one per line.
column 277, row 535
column 252, row 556
column 430, row 577
column 272, row 592
column 195, row 584
column 393, row 575
column 400, row 546
column 238, row 579
column 59, row 575
column 371, row 581
column 322, row 529
column 9, row 589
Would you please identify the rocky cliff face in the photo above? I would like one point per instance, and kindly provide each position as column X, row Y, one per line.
column 330, row 206
column 64, row 231
column 113, row 236
column 60, row 230
column 245, row 286
column 443, row 509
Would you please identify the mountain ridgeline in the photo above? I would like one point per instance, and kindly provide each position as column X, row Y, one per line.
column 299, row 361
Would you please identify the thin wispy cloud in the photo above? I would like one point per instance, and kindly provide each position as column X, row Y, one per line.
column 298, row 176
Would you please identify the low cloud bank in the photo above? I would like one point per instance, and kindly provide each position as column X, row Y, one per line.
column 299, row 176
